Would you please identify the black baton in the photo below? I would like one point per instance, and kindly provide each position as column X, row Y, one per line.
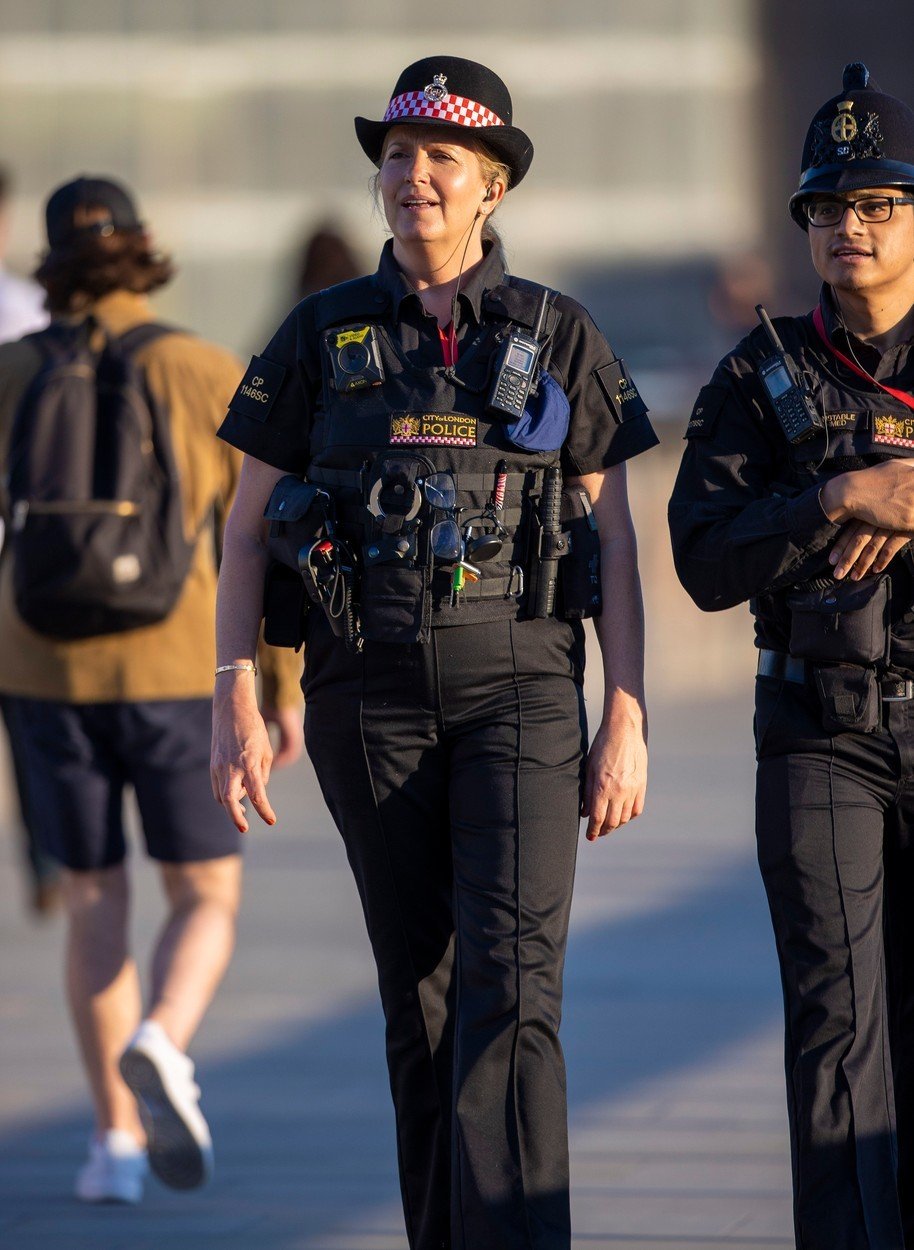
column 552, row 543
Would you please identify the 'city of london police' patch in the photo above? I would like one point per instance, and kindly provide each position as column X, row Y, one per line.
column 892, row 430
column 258, row 389
column 621, row 393
column 433, row 429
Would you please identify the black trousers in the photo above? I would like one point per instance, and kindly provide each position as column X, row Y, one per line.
column 835, row 824
column 453, row 772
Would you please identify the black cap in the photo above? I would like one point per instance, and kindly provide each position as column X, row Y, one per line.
column 860, row 138
column 456, row 95
column 85, row 192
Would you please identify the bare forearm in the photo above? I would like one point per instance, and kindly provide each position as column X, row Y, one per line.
column 239, row 604
column 620, row 628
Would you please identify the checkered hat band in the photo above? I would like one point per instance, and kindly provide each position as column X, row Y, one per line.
column 453, row 108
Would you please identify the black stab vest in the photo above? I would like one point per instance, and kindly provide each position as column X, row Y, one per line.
column 351, row 429
column 865, row 425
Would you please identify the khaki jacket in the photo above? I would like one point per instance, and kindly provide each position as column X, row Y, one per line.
column 175, row 658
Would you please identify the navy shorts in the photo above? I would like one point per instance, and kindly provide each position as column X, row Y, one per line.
column 79, row 757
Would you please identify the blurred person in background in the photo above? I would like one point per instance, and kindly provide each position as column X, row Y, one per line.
column 22, row 303
column 100, row 702
column 444, row 712
column 796, row 492
column 325, row 258
column 22, row 310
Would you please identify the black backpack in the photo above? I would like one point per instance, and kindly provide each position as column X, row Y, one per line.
column 96, row 530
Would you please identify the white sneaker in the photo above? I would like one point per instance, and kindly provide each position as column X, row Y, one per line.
column 161, row 1078
column 115, row 1170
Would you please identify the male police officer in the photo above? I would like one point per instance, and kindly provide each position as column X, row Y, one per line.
column 796, row 492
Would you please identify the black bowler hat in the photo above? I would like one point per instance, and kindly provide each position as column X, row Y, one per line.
column 84, row 192
column 860, row 138
column 458, row 95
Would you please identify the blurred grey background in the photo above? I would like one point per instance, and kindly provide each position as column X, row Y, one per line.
column 667, row 136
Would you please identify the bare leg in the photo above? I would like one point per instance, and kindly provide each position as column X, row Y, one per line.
column 196, row 943
column 102, row 989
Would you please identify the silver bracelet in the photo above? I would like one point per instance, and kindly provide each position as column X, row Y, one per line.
column 237, row 668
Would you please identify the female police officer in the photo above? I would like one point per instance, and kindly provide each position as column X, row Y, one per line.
column 797, row 491
column 435, row 409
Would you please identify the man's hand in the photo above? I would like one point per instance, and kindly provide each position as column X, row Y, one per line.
column 881, row 495
column 616, row 774
column 288, row 722
column 862, row 548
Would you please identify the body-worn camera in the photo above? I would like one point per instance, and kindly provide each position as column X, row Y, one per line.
column 355, row 358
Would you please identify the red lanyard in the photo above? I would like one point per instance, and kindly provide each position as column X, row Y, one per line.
column 448, row 344
column 819, row 322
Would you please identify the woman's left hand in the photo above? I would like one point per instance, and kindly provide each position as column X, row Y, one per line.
column 616, row 778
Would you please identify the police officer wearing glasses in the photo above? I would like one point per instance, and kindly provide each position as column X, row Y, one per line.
column 434, row 457
column 796, row 493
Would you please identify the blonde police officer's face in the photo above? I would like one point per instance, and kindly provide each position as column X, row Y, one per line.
column 432, row 186
column 863, row 256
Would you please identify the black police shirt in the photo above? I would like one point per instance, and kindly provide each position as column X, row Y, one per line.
column 271, row 415
column 738, row 532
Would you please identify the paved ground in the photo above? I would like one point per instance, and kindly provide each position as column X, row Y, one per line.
column 671, row 1029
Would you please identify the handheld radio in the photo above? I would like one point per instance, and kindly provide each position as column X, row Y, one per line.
column 515, row 369
column 790, row 397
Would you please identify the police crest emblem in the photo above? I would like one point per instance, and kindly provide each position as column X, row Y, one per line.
column 435, row 91
column 846, row 137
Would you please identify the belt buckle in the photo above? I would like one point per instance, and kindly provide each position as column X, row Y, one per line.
column 902, row 691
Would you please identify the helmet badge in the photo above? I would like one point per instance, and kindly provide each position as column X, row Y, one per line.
column 436, row 90
column 844, row 127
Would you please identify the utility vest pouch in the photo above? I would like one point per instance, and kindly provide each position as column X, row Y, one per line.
column 297, row 512
column 395, row 604
column 579, row 571
column 850, row 698
column 845, row 623
column 285, row 607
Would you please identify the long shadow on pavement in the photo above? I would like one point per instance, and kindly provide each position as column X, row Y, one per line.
column 303, row 1125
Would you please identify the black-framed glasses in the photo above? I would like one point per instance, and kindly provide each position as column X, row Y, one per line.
column 875, row 208
column 446, row 541
column 440, row 491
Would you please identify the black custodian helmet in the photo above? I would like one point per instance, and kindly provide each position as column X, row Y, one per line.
column 860, row 138
column 457, row 95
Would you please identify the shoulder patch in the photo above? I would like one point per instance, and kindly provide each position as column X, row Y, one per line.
column 621, row 394
column 705, row 413
column 258, row 389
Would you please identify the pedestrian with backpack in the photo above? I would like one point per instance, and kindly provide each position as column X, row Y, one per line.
column 115, row 486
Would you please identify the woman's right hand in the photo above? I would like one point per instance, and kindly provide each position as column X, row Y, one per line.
column 242, row 755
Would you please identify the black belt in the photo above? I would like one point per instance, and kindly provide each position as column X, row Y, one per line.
column 787, row 668
column 467, row 482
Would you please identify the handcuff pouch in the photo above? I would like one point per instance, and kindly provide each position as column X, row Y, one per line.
column 850, row 697
column 844, row 623
column 579, row 570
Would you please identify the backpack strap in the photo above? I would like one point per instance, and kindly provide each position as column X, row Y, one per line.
column 140, row 336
